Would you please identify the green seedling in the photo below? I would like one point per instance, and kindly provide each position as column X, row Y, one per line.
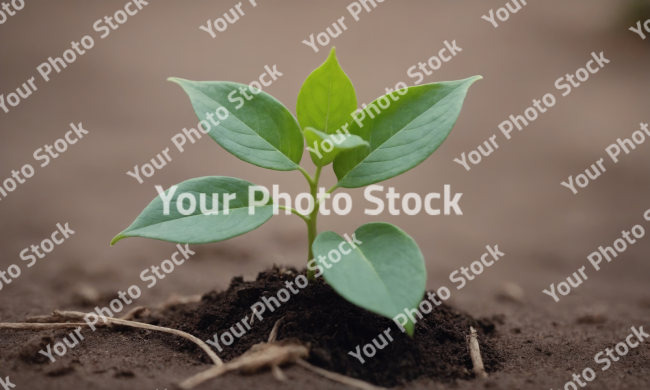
column 386, row 273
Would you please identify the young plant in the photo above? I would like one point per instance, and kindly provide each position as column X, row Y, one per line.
column 384, row 271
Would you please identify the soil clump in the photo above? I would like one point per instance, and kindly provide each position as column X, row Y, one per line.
column 332, row 327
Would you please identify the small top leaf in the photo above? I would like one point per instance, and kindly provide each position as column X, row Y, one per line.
column 385, row 274
column 403, row 134
column 324, row 148
column 327, row 97
column 260, row 131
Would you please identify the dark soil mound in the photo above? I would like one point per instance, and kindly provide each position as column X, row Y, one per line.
column 333, row 327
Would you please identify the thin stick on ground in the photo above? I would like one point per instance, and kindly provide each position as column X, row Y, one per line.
column 56, row 317
column 201, row 344
column 475, row 354
column 43, row 326
column 275, row 369
column 269, row 354
column 253, row 316
column 75, row 315
column 136, row 312
column 278, row 374
column 274, row 331
column 175, row 299
column 257, row 357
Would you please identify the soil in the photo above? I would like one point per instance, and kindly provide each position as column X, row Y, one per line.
column 530, row 351
column 332, row 327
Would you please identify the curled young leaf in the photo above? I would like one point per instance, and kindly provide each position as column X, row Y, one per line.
column 384, row 273
column 324, row 148
column 193, row 212
column 249, row 123
column 327, row 97
column 403, row 129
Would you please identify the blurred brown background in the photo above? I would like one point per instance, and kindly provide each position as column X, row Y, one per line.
column 513, row 198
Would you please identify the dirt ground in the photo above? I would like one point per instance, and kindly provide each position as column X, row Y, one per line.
column 512, row 199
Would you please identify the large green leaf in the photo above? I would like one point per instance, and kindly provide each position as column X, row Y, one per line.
column 261, row 131
column 402, row 135
column 198, row 228
column 385, row 274
column 324, row 148
column 327, row 98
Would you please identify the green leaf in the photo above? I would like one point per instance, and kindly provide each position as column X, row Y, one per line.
column 385, row 274
column 261, row 131
column 327, row 97
column 319, row 143
column 198, row 228
column 403, row 134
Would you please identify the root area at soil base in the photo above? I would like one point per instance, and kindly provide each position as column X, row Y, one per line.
column 332, row 327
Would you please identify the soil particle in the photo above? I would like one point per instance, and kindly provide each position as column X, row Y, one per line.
column 122, row 373
column 59, row 368
column 592, row 319
column 29, row 350
column 332, row 327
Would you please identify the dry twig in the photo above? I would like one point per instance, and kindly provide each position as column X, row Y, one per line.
column 475, row 354
column 253, row 316
column 174, row 300
column 278, row 374
column 274, row 331
column 40, row 326
column 139, row 311
column 259, row 356
column 75, row 315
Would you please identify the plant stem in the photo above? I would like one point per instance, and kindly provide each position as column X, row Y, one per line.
column 312, row 232
column 312, row 227
column 334, row 188
column 298, row 213
column 306, row 175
